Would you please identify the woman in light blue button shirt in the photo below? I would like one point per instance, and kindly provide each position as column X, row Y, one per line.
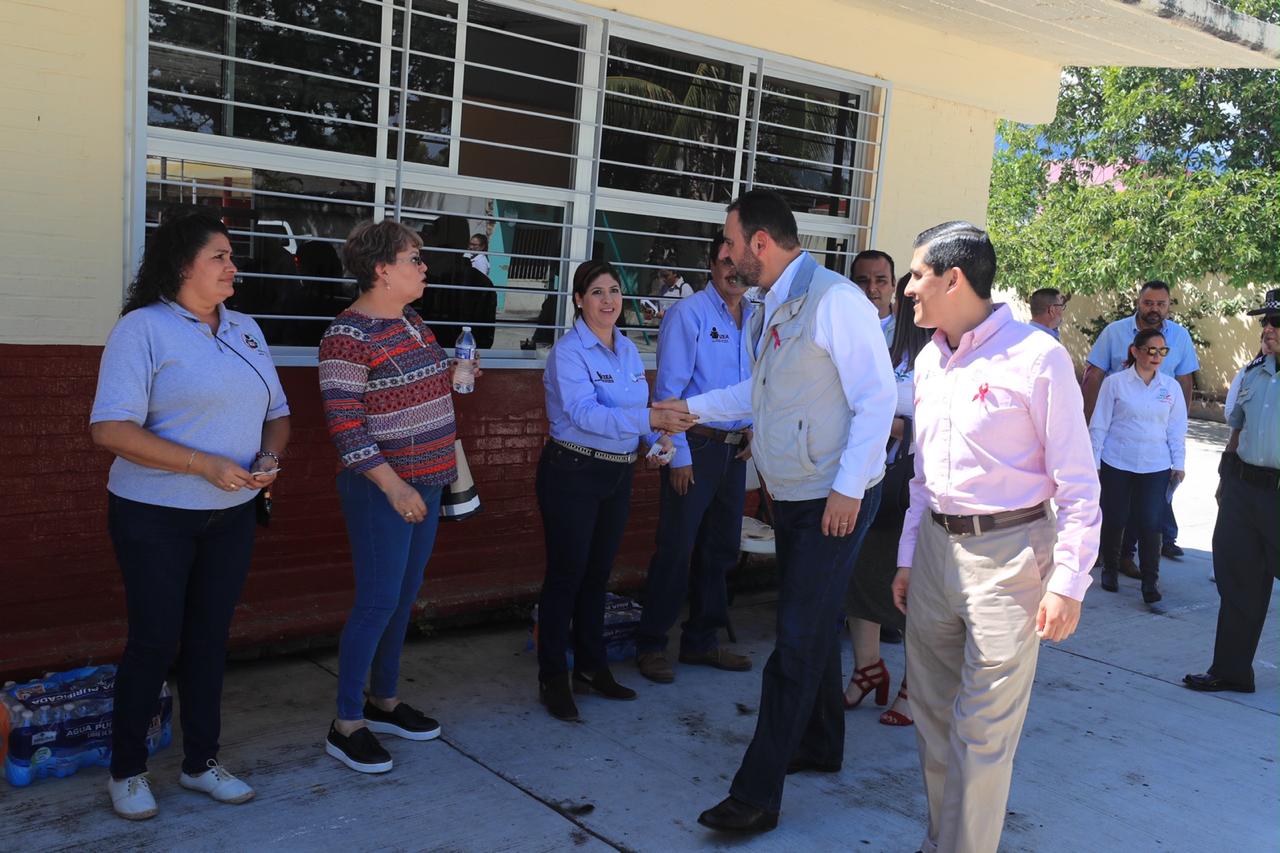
column 1138, row 430
column 598, row 408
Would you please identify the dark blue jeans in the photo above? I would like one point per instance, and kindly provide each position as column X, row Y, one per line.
column 801, row 700
column 584, row 504
column 1133, row 503
column 183, row 570
column 699, row 537
column 1168, row 530
column 390, row 556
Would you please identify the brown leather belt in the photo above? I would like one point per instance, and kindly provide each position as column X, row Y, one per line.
column 976, row 525
column 1254, row 475
column 736, row 438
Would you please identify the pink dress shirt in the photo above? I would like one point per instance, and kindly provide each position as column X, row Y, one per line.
column 1000, row 426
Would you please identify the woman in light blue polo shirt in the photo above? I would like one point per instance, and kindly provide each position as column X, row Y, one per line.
column 597, row 404
column 189, row 402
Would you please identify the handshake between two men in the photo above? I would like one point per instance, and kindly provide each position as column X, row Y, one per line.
column 840, row 514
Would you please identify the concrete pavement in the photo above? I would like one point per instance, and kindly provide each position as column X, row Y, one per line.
column 1116, row 755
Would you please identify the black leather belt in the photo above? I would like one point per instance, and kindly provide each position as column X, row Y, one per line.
column 1255, row 475
column 736, row 438
column 976, row 525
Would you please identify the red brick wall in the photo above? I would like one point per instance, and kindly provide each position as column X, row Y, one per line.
column 61, row 601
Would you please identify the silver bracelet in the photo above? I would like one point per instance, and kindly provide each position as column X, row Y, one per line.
column 267, row 454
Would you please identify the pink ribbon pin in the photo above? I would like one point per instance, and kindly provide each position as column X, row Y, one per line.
column 981, row 396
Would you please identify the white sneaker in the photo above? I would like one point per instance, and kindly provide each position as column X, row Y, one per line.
column 218, row 783
column 131, row 797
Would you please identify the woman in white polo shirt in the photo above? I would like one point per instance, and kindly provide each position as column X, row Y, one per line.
column 1139, row 431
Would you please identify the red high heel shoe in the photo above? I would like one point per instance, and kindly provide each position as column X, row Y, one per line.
column 897, row 718
column 870, row 677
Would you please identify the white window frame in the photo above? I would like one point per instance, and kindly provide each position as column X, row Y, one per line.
column 580, row 205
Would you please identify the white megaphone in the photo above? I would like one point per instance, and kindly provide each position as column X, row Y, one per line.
column 460, row 499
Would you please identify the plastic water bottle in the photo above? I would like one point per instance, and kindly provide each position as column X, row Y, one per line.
column 464, row 375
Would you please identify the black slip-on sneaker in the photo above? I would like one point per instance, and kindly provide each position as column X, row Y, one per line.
column 360, row 750
column 405, row 721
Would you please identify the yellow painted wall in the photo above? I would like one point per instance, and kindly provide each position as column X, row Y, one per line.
column 937, row 167
column 63, row 135
column 62, row 161
column 841, row 35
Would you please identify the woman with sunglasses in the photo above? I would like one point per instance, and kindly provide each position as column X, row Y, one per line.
column 1139, row 430
column 386, row 387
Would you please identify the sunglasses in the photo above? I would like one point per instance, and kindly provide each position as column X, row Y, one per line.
column 1154, row 351
column 1272, row 320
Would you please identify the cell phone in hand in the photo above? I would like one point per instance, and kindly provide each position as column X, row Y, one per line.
column 657, row 453
column 266, row 473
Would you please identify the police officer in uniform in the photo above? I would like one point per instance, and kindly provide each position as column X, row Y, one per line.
column 1246, row 538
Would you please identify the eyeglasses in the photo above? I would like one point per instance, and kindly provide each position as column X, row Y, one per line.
column 1272, row 320
column 1160, row 351
column 416, row 260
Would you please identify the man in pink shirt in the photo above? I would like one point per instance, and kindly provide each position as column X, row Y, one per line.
column 986, row 571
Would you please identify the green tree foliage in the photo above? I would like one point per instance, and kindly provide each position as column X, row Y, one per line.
column 1144, row 173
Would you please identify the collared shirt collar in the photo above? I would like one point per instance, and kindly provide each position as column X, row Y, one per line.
column 781, row 288
column 225, row 321
column 718, row 301
column 999, row 317
column 588, row 337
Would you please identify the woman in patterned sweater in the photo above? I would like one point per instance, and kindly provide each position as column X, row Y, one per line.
column 386, row 386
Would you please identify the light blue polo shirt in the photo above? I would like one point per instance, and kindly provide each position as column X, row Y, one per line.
column 166, row 371
column 597, row 397
column 701, row 348
column 1112, row 348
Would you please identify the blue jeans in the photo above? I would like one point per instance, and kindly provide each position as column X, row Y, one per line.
column 1168, row 530
column 390, row 556
column 584, row 504
column 1133, row 503
column 801, row 701
column 183, row 570
column 703, row 525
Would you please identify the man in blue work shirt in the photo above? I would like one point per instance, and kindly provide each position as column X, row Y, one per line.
column 1246, row 538
column 1108, row 356
column 700, row 347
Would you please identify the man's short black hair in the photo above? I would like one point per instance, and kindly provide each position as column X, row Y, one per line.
column 874, row 255
column 716, row 242
column 1044, row 299
column 1154, row 284
column 963, row 245
column 766, row 210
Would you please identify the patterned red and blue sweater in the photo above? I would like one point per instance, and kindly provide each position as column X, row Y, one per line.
column 387, row 397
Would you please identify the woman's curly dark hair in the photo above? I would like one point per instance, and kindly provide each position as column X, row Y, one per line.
column 170, row 250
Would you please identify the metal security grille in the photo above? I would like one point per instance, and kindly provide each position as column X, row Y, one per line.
column 518, row 138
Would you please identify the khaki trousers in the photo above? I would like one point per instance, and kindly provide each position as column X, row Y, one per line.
column 971, row 659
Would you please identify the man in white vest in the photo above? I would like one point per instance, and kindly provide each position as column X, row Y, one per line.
column 822, row 396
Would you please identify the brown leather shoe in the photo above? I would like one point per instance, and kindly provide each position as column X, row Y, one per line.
column 719, row 658
column 1130, row 569
column 655, row 667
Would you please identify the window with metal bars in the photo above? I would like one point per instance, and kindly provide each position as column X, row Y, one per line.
column 545, row 133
